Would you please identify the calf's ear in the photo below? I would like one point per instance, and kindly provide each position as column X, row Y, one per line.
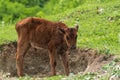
column 77, row 27
column 61, row 30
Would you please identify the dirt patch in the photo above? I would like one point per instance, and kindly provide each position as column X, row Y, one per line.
column 36, row 62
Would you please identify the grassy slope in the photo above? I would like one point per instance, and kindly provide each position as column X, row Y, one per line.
column 95, row 30
column 7, row 34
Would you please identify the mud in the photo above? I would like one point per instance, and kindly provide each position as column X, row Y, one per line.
column 36, row 62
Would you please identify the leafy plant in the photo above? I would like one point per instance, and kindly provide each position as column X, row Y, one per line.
column 112, row 69
column 54, row 78
column 25, row 78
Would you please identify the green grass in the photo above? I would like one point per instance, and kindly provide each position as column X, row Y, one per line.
column 95, row 30
column 7, row 34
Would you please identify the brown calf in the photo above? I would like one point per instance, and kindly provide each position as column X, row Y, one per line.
column 40, row 33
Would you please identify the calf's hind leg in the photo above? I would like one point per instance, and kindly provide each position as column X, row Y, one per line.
column 52, row 56
column 21, row 51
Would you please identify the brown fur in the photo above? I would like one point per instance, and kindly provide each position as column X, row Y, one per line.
column 41, row 33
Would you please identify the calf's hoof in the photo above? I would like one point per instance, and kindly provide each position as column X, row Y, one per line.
column 21, row 75
column 51, row 74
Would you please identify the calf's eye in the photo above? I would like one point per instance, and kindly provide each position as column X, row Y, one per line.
column 68, row 38
column 76, row 37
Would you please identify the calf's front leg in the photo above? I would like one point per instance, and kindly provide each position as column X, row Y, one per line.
column 64, row 58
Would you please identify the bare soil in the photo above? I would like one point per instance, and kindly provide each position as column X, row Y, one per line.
column 36, row 62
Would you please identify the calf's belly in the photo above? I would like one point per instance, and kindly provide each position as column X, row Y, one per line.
column 38, row 45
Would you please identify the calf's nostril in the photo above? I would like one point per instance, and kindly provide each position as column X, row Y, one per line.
column 73, row 47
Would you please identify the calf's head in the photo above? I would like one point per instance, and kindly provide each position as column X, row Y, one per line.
column 62, row 38
column 71, row 36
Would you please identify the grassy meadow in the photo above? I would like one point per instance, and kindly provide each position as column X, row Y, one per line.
column 99, row 25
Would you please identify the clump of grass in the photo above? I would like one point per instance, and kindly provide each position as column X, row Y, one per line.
column 7, row 34
column 59, row 77
column 25, row 78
